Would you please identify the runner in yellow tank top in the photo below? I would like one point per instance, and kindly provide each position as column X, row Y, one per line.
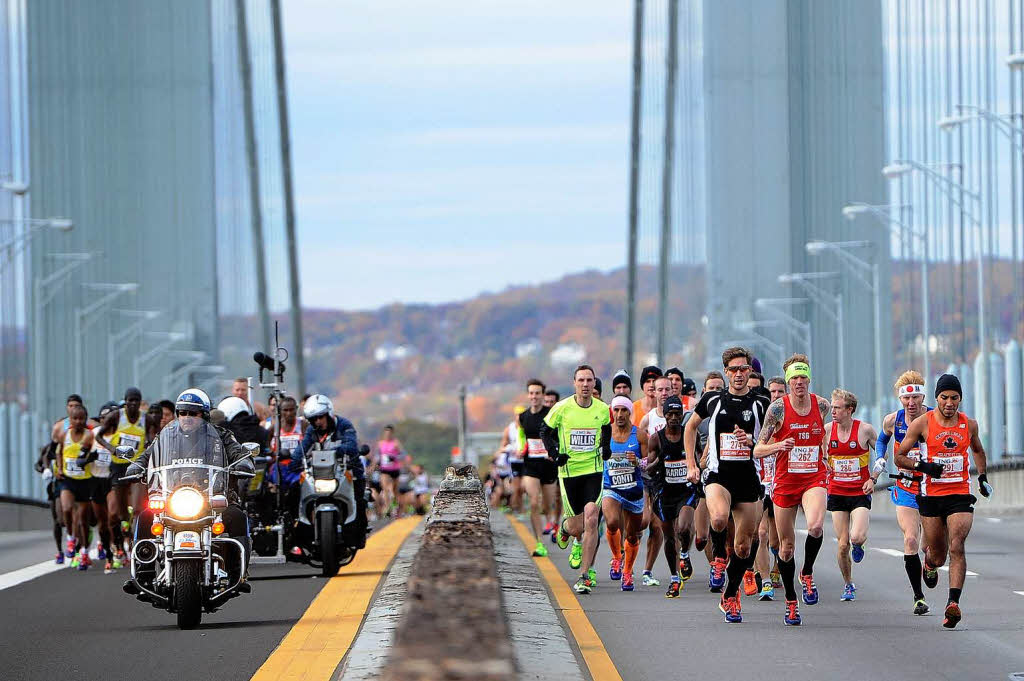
column 125, row 427
column 75, row 480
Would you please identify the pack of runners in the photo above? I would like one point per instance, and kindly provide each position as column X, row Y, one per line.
column 728, row 471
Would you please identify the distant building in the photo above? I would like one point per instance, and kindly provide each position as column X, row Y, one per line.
column 391, row 353
column 527, row 348
column 568, row 353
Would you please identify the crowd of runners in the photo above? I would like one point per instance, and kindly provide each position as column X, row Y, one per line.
column 93, row 510
column 725, row 470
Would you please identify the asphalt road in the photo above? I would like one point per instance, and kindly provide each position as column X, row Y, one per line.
column 650, row 637
column 80, row 625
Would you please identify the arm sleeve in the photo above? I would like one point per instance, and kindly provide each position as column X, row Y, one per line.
column 606, row 441
column 882, row 444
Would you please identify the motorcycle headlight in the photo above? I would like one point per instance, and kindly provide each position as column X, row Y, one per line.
column 325, row 486
column 185, row 503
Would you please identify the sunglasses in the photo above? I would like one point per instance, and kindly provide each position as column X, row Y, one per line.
column 739, row 367
column 188, row 413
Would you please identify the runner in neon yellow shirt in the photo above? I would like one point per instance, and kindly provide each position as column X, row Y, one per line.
column 579, row 430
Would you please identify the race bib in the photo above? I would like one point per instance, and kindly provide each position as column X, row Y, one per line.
column 914, row 455
column 582, row 439
column 675, row 472
column 535, row 448
column 621, row 473
column 803, row 460
column 953, row 468
column 768, row 468
column 103, row 458
column 129, row 440
column 846, row 469
column 731, row 448
column 290, row 442
column 71, row 467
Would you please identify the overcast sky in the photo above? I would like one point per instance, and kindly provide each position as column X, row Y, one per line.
column 446, row 148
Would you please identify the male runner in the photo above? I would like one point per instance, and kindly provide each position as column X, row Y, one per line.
column 776, row 387
column 551, row 398
column 793, row 433
column 850, row 482
column 945, row 501
column 675, row 494
column 731, row 484
column 910, row 390
column 622, row 384
column 767, row 534
column 76, row 483
column 622, row 501
column 540, row 475
column 579, row 429
column 713, row 382
column 651, row 423
column 514, row 449
column 122, row 428
column 647, row 401
column 99, row 460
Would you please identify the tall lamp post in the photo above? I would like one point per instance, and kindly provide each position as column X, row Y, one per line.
column 800, row 330
column 123, row 335
column 830, row 303
column 86, row 317
column 32, row 227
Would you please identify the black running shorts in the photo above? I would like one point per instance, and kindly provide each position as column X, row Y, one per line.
column 580, row 490
column 542, row 468
column 946, row 505
column 845, row 504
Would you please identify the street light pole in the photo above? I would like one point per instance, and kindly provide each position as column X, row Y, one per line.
column 826, row 301
column 144, row 316
column 793, row 324
column 170, row 338
column 84, row 319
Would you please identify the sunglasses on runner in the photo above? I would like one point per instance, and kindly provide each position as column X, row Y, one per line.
column 739, row 367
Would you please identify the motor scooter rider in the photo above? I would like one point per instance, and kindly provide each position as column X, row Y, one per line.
column 192, row 409
column 324, row 427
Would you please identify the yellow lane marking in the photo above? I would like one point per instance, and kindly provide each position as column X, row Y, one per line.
column 594, row 654
column 315, row 645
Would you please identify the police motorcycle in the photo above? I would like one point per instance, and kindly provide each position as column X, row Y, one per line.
column 186, row 564
column 327, row 501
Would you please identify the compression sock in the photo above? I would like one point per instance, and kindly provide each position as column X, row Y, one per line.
column 787, row 568
column 811, row 547
column 954, row 594
column 734, row 571
column 912, row 563
column 631, row 550
column 614, row 543
column 718, row 543
column 700, row 542
column 57, row 532
column 105, row 539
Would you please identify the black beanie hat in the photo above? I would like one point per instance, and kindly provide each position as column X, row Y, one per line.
column 948, row 382
column 621, row 377
column 648, row 373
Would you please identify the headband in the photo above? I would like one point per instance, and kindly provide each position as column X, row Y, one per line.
column 622, row 401
column 912, row 389
column 798, row 369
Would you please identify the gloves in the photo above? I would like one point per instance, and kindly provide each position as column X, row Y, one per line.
column 984, row 486
column 296, row 464
column 561, row 460
column 47, row 475
column 878, row 466
column 929, row 468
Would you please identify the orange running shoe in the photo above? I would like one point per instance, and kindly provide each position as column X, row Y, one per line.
column 749, row 583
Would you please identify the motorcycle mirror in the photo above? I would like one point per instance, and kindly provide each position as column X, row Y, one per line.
column 125, row 452
column 364, row 450
column 251, row 448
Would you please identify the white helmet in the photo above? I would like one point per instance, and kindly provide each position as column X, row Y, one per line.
column 192, row 399
column 317, row 405
column 232, row 407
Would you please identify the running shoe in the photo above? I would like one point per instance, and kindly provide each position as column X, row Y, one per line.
column 69, row 548
column 627, row 581
column 930, row 575
column 722, row 604
column 120, row 559
column 648, row 579
column 776, row 578
column 125, row 526
column 561, row 537
column 673, row 589
column 732, row 610
column 108, row 569
column 716, row 580
column 615, row 571
column 849, row 593
column 953, row 615
column 810, row 590
column 583, row 585
column 592, row 575
column 792, row 616
column 83, row 560
column 685, row 567
column 59, row 559
column 76, row 561
column 576, row 555
column 749, row 583
column 539, row 551
column 101, row 553
column 549, row 528
column 921, row 607
column 767, row 592
column 858, row 553
column 86, row 558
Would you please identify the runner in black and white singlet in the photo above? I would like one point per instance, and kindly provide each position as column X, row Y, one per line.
column 540, row 474
column 731, row 483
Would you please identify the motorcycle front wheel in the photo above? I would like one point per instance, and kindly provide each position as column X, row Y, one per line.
column 328, row 544
column 188, row 593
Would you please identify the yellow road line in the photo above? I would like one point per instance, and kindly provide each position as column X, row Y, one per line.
column 315, row 645
column 594, row 654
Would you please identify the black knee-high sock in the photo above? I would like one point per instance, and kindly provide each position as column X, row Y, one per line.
column 811, row 547
column 912, row 563
column 118, row 535
column 954, row 595
column 787, row 568
column 737, row 567
column 718, row 543
column 105, row 538
column 57, row 535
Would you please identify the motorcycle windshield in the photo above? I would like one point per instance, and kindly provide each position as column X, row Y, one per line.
column 193, row 457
